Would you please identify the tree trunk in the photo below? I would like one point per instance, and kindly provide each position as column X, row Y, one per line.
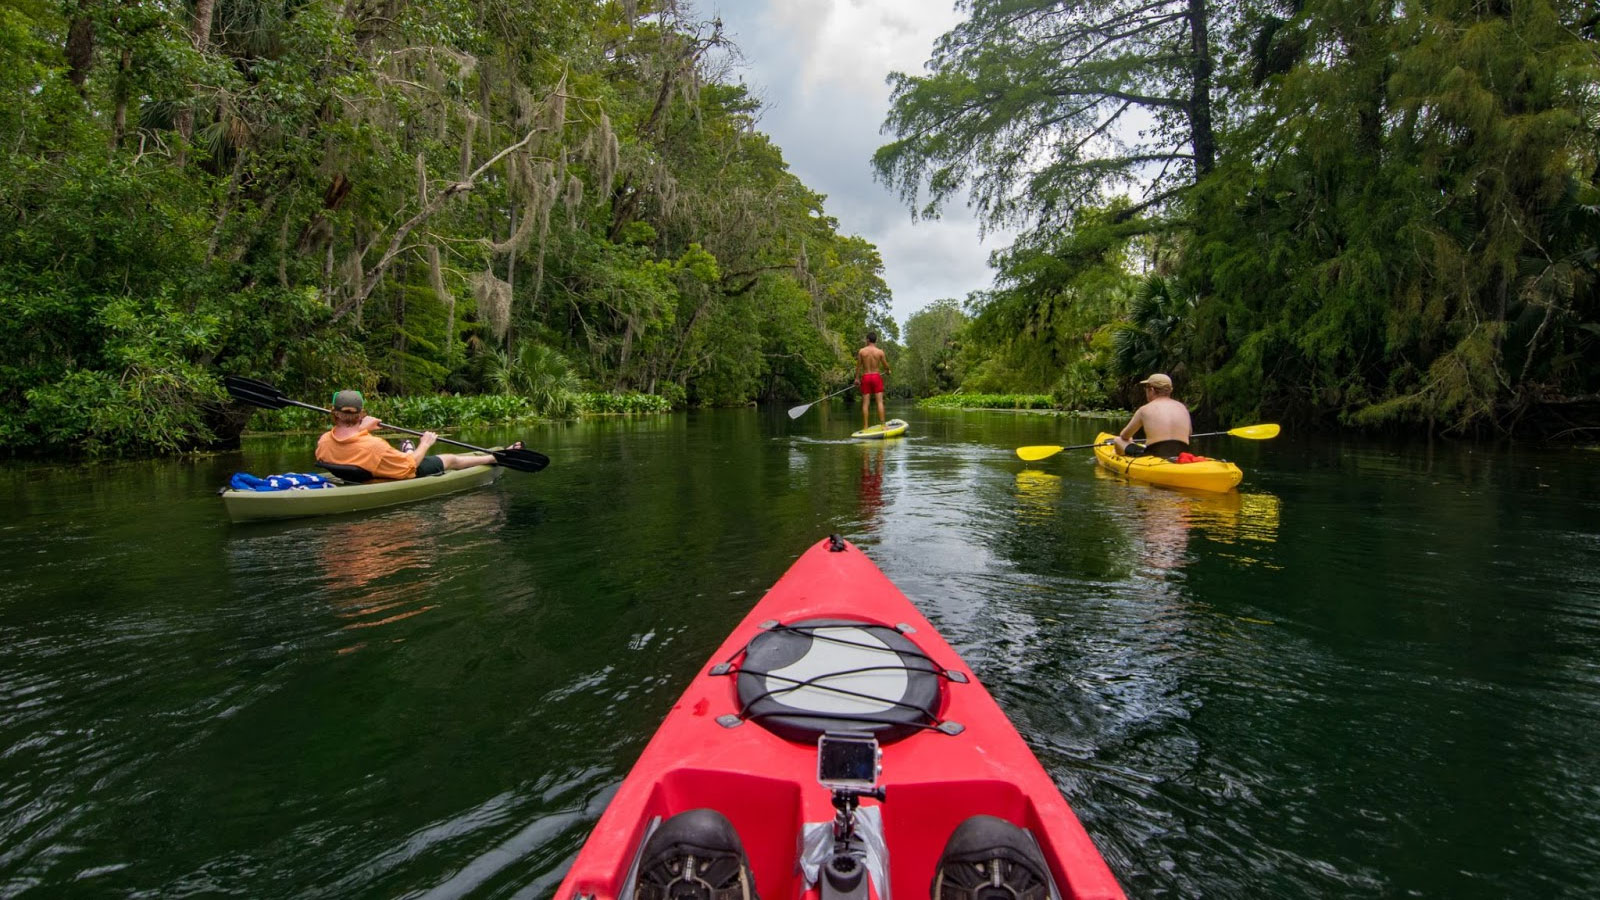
column 80, row 46
column 200, row 36
column 397, row 371
column 445, row 298
column 624, row 207
column 1205, row 142
column 119, row 118
column 511, row 281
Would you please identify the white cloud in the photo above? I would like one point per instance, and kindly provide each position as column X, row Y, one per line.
column 821, row 67
column 848, row 46
column 933, row 261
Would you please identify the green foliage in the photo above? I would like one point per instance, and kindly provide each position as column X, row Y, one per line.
column 1154, row 336
column 1396, row 223
column 1394, row 219
column 454, row 197
column 291, row 419
column 436, row 411
column 1087, row 383
column 540, row 374
column 934, row 338
column 674, row 394
column 1412, row 253
column 450, row 411
column 622, row 404
column 989, row 401
column 1039, row 110
column 422, row 413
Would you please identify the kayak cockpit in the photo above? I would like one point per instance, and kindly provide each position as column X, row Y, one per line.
column 904, row 838
column 812, row 676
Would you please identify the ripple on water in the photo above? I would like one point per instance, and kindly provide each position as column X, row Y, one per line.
column 1364, row 674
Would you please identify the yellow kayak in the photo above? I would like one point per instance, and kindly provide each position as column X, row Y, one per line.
column 1211, row 475
column 893, row 428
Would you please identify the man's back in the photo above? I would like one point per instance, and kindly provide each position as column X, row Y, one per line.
column 1165, row 419
column 352, row 447
column 871, row 358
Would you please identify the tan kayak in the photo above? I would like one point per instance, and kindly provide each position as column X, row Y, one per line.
column 259, row 506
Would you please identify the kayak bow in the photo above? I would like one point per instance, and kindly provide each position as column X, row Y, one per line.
column 833, row 648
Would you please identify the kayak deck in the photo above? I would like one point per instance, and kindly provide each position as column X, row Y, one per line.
column 725, row 745
column 260, row 506
column 1211, row 475
column 889, row 429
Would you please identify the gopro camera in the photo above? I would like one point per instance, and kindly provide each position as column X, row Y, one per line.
column 848, row 761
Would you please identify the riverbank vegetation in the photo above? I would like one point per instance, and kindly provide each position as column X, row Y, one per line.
column 548, row 201
column 988, row 401
column 448, row 411
column 1384, row 215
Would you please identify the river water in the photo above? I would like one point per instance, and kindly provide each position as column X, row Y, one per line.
column 1372, row 671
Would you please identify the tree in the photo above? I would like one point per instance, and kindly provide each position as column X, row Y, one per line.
column 1154, row 336
column 405, row 196
column 1391, row 222
column 1040, row 109
column 1426, row 265
column 933, row 336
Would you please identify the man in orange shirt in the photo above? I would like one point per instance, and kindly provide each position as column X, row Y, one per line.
column 351, row 443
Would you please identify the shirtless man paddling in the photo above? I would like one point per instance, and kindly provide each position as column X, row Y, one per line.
column 1165, row 421
column 872, row 364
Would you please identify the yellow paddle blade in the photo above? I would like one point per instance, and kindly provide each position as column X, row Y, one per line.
column 1036, row 453
column 1255, row 432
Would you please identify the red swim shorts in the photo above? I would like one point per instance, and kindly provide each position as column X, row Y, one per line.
column 872, row 383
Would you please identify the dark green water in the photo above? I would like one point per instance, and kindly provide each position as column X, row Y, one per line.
column 1373, row 672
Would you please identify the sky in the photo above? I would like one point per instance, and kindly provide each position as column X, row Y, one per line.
column 820, row 68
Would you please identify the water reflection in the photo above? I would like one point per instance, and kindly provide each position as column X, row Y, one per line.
column 358, row 557
column 1162, row 534
column 1038, row 496
column 373, row 570
column 1167, row 515
column 359, row 554
column 387, row 569
column 871, row 494
column 1240, row 522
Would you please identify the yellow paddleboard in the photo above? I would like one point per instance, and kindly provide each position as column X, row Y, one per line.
column 894, row 428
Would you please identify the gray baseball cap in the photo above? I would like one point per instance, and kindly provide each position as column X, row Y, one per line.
column 349, row 400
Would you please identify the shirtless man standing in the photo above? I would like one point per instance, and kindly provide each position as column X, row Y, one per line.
column 872, row 365
column 1165, row 421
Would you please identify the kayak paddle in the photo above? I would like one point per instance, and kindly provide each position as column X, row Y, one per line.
column 1044, row 451
column 798, row 411
column 259, row 393
column 1253, row 432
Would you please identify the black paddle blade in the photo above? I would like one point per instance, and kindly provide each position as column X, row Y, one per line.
column 255, row 393
column 521, row 460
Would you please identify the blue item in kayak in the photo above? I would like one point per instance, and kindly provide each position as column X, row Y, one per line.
column 293, row 481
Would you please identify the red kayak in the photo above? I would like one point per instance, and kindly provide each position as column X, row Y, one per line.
column 835, row 746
